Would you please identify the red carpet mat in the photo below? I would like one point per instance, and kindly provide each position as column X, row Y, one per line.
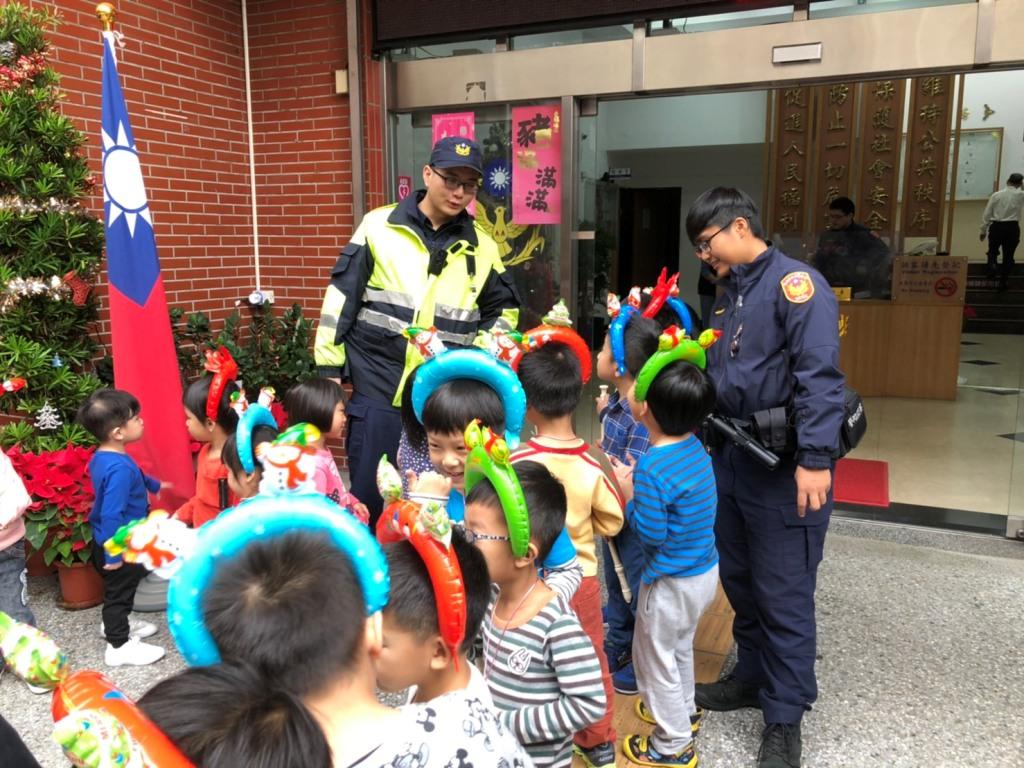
column 859, row 481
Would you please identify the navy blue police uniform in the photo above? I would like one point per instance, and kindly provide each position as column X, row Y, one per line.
column 779, row 347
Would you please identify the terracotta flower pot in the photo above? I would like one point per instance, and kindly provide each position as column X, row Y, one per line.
column 81, row 586
column 35, row 564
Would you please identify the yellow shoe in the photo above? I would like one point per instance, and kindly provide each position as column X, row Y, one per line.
column 637, row 749
column 644, row 714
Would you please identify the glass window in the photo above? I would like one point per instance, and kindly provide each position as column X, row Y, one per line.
column 830, row 8
column 572, row 37
column 714, row 21
column 442, row 50
column 530, row 252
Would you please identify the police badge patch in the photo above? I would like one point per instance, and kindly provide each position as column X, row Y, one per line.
column 797, row 287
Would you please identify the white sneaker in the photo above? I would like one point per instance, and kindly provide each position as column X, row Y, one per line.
column 136, row 628
column 134, row 652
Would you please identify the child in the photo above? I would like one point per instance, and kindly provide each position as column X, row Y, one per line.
column 321, row 402
column 552, row 379
column 542, row 670
column 292, row 607
column 224, row 715
column 414, row 655
column 112, row 417
column 213, row 495
column 446, row 414
column 623, row 437
column 14, row 500
column 672, row 511
column 244, row 484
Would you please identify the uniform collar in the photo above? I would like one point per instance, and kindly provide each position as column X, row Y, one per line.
column 745, row 274
column 407, row 213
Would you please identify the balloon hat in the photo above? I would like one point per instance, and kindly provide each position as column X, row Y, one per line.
column 443, row 365
column 429, row 530
column 673, row 345
column 665, row 292
column 224, row 369
column 253, row 416
column 95, row 723
column 557, row 327
column 284, row 505
column 489, row 458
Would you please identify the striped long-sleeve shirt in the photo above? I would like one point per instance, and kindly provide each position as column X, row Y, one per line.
column 545, row 679
column 673, row 510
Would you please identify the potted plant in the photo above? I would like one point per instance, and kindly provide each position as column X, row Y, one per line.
column 57, row 522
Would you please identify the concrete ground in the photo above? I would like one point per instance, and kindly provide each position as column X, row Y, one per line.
column 920, row 640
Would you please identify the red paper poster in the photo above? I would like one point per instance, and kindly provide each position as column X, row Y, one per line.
column 404, row 186
column 536, row 165
column 461, row 124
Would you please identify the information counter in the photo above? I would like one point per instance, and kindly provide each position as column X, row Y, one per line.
column 910, row 346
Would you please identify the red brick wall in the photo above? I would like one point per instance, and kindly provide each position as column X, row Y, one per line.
column 182, row 73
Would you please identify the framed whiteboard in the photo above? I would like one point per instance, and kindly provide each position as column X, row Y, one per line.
column 977, row 174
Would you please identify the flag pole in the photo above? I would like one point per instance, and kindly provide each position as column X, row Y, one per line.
column 106, row 13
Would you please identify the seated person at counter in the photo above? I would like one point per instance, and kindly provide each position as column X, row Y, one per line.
column 850, row 254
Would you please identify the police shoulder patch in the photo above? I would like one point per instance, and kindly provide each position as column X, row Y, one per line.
column 797, row 287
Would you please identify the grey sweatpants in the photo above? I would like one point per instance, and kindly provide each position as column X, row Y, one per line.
column 667, row 613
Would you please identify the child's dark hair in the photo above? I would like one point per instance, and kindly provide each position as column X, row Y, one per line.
column 313, row 401
column 680, row 398
column 224, row 715
column 545, row 500
column 552, row 380
column 640, row 339
column 258, row 600
column 229, row 453
column 105, row 410
column 195, row 401
column 719, row 207
column 411, row 602
column 453, row 405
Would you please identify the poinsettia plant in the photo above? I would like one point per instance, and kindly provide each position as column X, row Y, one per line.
column 57, row 522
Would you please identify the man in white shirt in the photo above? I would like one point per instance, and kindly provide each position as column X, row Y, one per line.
column 1001, row 222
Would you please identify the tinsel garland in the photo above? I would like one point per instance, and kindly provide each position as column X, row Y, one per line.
column 53, row 205
column 57, row 288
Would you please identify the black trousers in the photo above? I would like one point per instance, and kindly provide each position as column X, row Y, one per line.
column 1005, row 235
column 118, row 596
column 374, row 429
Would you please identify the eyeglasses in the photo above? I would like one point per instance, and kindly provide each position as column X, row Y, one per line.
column 472, row 536
column 451, row 183
column 705, row 247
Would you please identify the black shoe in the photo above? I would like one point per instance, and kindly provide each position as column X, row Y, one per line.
column 780, row 746
column 726, row 695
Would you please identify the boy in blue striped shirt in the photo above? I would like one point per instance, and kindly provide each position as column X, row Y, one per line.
column 672, row 501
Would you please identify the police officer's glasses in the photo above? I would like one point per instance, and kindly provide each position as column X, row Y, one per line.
column 451, row 183
column 472, row 536
column 705, row 246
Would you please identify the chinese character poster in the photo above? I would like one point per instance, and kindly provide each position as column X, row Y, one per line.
column 536, row 165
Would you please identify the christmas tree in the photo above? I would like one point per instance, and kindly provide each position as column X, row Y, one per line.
column 50, row 245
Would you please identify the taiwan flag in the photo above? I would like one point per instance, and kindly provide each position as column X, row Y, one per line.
column 145, row 362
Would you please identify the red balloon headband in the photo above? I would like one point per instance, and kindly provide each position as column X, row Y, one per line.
column 665, row 289
column 557, row 328
column 224, row 369
column 429, row 530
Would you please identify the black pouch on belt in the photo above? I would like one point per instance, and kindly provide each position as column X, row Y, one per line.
column 774, row 430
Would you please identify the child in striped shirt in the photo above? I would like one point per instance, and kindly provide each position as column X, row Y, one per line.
column 543, row 672
column 671, row 507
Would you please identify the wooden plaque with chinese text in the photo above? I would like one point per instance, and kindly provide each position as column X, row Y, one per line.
column 790, row 159
column 924, row 180
column 880, row 131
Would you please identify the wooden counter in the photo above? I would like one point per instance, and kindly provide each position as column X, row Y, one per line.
column 901, row 350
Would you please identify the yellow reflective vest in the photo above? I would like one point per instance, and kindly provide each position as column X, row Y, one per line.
column 388, row 278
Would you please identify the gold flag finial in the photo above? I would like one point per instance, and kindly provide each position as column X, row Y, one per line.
column 106, row 12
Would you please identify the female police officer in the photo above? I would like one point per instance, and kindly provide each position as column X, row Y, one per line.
column 779, row 347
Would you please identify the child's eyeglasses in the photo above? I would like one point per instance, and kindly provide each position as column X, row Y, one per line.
column 472, row 536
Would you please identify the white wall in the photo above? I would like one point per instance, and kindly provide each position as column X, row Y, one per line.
column 1003, row 92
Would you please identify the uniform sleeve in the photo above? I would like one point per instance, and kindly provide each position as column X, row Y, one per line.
column 647, row 512
column 812, row 332
column 606, row 507
column 344, row 294
column 499, row 301
column 581, row 700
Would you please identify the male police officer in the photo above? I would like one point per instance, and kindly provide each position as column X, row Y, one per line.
column 779, row 347
column 421, row 262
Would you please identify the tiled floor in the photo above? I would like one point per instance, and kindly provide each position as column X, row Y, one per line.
column 951, row 453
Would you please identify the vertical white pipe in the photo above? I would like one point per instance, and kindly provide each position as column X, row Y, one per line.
column 252, row 147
